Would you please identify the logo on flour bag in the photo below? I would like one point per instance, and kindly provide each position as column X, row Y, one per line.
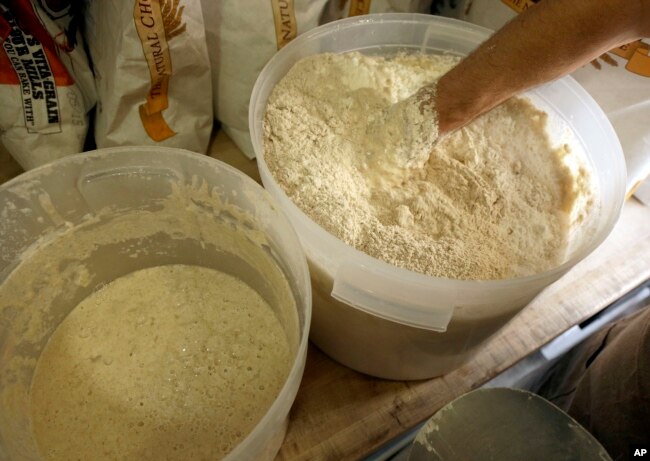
column 26, row 64
column 359, row 7
column 286, row 27
column 157, row 23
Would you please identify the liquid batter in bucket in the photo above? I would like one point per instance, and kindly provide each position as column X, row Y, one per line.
column 169, row 362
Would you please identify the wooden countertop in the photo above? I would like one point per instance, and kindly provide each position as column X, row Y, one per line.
column 340, row 414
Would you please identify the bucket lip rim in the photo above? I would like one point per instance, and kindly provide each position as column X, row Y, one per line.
column 89, row 156
column 405, row 275
column 81, row 157
column 389, row 18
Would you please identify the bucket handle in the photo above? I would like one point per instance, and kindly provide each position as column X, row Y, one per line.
column 91, row 180
column 380, row 293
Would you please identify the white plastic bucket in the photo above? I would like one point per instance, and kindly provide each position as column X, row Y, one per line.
column 59, row 196
column 393, row 323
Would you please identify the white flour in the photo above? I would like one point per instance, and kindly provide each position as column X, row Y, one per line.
column 491, row 201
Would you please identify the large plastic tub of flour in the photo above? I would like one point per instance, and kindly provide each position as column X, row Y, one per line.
column 47, row 202
column 387, row 321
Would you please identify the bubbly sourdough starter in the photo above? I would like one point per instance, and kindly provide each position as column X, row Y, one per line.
column 492, row 200
column 169, row 362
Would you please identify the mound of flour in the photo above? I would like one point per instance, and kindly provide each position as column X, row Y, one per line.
column 489, row 201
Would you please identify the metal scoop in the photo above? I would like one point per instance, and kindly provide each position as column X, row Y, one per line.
column 504, row 425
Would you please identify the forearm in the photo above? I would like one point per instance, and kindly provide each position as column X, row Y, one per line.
column 545, row 42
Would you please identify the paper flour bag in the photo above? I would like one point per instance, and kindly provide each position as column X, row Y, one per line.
column 152, row 73
column 242, row 37
column 338, row 9
column 46, row 85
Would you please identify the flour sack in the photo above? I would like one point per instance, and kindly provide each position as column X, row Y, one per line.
column 242, row 37
column 46, row 85
column 152, row 73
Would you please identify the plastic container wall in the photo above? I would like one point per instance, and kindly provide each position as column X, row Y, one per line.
column 45, row 201
column 393, row 323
